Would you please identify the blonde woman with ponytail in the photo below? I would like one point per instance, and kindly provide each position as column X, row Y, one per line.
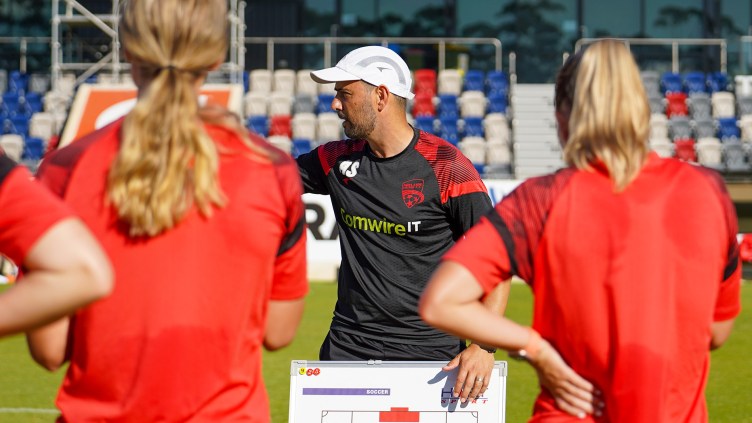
column 632, row 259
column 204, row 225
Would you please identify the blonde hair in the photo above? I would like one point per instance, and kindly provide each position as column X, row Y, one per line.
column 166, row 161
column 610, row 114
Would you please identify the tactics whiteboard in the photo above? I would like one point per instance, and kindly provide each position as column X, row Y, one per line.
column 388, row 391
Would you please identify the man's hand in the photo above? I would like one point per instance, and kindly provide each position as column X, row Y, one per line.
column 475, row 367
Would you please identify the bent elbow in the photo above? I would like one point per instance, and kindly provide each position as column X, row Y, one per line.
column 49, row 362
column 274, row 342
column 101, row 280
column 428, row 311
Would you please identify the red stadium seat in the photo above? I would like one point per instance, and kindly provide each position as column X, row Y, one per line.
column 425, row 82
column 281, row 125
column 684, row 149
column 676, row 104
column 423, row 106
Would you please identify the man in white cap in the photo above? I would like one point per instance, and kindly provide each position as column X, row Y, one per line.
column 401, row 198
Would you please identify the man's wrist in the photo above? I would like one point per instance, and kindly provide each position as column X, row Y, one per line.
column 487, row 348
column 532, row 349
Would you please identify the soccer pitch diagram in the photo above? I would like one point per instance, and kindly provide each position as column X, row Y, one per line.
column 389, row 391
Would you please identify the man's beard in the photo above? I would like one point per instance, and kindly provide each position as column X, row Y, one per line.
column 363, row 126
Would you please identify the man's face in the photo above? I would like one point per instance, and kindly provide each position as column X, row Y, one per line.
column 354, row 104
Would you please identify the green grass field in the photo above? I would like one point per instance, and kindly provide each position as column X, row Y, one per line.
column 27, row 392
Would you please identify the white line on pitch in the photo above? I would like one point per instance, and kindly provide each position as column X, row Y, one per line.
column 22, row 410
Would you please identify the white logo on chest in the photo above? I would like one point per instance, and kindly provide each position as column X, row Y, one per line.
column 349, row 169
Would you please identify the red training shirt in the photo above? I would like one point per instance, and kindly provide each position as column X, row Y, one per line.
column 626, row 285
column 27, row 210
column 180, row 338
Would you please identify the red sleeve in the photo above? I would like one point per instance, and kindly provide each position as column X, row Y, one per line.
column 483, row 253
column 290, row 276
column 27, row 211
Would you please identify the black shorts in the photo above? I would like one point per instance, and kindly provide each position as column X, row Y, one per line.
column 344, row 346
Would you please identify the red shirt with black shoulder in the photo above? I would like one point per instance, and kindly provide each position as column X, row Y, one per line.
column 626, row 284
column 180, row 339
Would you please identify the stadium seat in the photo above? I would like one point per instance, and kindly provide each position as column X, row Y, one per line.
column 304, row 103
column 676, row 104
column 728, row 129
column 735, row 157
column 304, row 126
column 474, row 81
column 704, row 127
column 497, row 103
column 671, row 83
column 473, row 127
column 448, row 130
column 743, row 85
column 723, row 104
column 13, row 145
column 18, row 82
column 280, row 103
column 684, row 149
column 709, row 152
column 423, row 105
column 33, row 149
column 657, row 103
column 39, row 83
column 498, row 153
column 658, row 126
column 300, row 146
column 20, row 125
column 473, row 104
column 699, row 105
column 425, row 83
column 679, row 127
column 717, row 81
column 474, row 148
column 324, row 103
column 497, row 83
column 56, row 101
column 10, row 102
column 328, row 127
column 651, row 82
column 744, row 106
column 448, row 107
column 496, row 128
column 280, row 125
column 326, row 88
column 304, row 84
column 256, row 103
column 3, row 81
column 259, row 124
column 425, row 123
column 450, row 82
column 283, row 142
column 694, row 82
column 745, row 127
column 283, row 81
column 662, row 146
column 42, row 125
column 260, row 81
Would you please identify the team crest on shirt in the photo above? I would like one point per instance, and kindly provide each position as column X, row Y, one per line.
column 412, row 192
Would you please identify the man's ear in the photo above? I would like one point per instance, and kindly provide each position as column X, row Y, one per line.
column 383, row 96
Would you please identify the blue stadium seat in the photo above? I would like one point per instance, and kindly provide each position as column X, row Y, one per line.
column 497, row 83
column 448, row 107
column 497, row 103
column 34, row 101
column 695, row 82
column 33, row 148
column 246, row 81
column 717, row 81
column 10, row 102
column 473, row 127
column 20, row 125
column 300, row 146
column 259, row 125
column 474, row 81
column 324, row 105
column 728, row 129
column 425, row 123
column 17, row 82
column 448, row 130
column 671, row 82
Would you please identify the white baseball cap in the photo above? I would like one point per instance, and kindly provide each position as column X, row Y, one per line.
column 373, row 64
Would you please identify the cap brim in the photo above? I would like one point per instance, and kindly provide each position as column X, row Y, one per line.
column 333, row 74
